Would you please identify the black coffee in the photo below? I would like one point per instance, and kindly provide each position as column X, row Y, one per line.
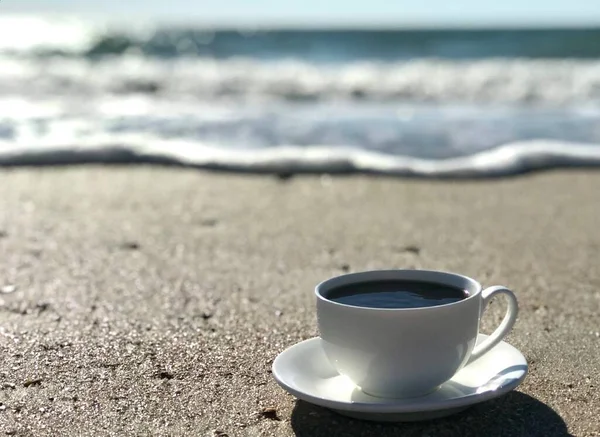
column 396, row 294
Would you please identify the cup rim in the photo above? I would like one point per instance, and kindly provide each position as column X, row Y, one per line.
column 331, row 282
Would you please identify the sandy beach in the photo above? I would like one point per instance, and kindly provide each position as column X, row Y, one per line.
column 152, row 301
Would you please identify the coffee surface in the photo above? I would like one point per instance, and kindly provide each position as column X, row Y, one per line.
column 396, row 294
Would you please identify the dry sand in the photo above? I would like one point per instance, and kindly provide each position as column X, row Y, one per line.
column 152, row 301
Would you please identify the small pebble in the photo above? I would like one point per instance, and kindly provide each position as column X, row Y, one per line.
column 42, row 306
column 32, row 382
column 412, row 249
column 130, row 245
column 7, row 289
column 165, row 375
column 269, row 413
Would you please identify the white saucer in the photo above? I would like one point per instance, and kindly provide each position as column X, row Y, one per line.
column 304, row 371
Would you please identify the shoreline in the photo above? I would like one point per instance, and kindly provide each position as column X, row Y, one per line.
column 152, row 300
column 516, row 158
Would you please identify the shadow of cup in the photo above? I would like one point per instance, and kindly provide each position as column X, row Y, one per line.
column 515, row 414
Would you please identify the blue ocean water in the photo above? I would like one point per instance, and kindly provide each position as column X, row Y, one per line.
column 419, row 102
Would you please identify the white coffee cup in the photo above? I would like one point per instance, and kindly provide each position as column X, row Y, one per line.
column 406, row 352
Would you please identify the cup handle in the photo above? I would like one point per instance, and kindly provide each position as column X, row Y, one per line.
column 505, row 326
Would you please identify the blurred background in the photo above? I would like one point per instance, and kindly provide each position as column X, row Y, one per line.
column 424, row 88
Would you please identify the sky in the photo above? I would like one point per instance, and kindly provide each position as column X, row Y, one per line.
column 401, row 13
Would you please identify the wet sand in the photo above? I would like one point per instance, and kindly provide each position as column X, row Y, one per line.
column 152, row 301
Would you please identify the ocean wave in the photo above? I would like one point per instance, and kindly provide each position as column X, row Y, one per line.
column 431, row 80
column 434, row 103
column 508, row 159
column 61, row 56
column 73, row 37
column 29, row 34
